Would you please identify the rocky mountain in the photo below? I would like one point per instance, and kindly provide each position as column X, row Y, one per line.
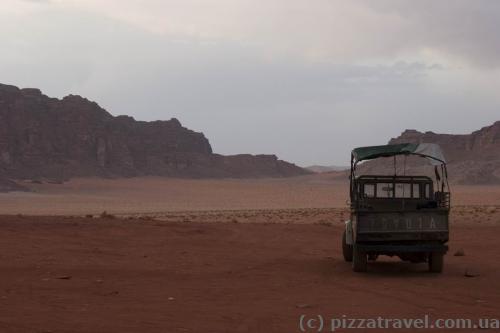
column 472, row 158
column 48, row 138
column 326, row 168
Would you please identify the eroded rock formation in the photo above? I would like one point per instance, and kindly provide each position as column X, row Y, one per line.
column 48, row 138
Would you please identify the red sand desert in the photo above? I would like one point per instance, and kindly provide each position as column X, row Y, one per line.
column 222, row 256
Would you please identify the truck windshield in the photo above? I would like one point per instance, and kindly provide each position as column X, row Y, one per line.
column 394, row 190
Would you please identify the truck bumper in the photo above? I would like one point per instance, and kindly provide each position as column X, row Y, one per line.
column 402, row 248
column 424, row 237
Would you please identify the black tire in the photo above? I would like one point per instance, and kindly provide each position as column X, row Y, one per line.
column 359, row 260
column 346, row 248
column 436, row 262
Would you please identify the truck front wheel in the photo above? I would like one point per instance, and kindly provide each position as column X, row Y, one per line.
column 359, row 260
column 436, row 262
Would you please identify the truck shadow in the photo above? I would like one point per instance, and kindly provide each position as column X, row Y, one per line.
column 338, row 267
column 398, row 268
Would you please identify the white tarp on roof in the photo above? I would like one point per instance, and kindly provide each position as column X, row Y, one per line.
column 433, row 151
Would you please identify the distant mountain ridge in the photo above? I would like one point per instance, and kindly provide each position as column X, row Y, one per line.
column 48, row 138
column 326, row 168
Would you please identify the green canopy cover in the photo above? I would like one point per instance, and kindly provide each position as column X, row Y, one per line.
column 429, row 150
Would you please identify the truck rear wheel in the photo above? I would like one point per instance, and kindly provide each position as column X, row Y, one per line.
column 346, row 248
column 436, row 262
column 359, row 260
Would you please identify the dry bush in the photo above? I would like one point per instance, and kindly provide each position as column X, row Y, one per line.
column 106, row 215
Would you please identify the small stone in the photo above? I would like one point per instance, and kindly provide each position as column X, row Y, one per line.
column 469, row 273
column 64, row 277
column 171, row 299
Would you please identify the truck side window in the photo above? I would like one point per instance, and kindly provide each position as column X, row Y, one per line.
column 427, row 191
column 385, row 190
column 416, row 191
column 369, row 191
column 403, row 190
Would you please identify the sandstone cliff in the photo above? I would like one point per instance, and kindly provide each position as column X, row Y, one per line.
column 48, row 138
column 472, row 158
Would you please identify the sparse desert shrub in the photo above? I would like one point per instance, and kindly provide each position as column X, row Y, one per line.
column 491, row 210
column 89, row 216
column 105, row 215
column 324, row 223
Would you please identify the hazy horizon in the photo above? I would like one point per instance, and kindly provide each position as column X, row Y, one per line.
column 307, row 81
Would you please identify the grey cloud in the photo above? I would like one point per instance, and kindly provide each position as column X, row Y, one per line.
column 461, row 28
column 37, row 1
column 304, row 112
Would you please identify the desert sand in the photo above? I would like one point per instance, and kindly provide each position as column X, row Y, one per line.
column 154, row 195
column 222, row 256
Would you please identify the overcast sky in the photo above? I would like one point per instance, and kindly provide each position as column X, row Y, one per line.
column 307, row 80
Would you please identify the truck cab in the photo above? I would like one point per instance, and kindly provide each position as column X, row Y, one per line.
column 398, row 215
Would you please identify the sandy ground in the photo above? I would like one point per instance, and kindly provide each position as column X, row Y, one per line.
column 223, row 256
column 157, row 195
column 94, row 275
column 151, row 194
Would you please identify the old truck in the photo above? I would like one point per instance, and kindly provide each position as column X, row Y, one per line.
column 398, row 215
